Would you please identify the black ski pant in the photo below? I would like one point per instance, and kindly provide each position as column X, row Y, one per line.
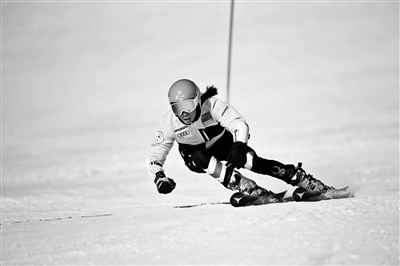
column 198, row 157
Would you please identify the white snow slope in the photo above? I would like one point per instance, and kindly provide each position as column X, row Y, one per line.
column 84, row 85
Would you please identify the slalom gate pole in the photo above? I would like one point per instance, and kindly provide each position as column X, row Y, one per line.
column 229, row 52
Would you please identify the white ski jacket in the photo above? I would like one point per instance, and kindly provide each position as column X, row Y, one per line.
column 216, row 117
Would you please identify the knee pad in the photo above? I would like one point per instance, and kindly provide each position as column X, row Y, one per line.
column 197, row 161
column 201, row 159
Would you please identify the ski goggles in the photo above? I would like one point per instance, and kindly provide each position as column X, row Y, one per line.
column 185, row 106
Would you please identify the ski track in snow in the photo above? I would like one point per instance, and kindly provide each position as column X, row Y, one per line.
column 321, row 85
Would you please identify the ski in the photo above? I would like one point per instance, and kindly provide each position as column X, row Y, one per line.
column 303, row 194
column 240, row 199
column 299, row 194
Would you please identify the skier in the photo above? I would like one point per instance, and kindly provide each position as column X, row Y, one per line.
column 212, row 138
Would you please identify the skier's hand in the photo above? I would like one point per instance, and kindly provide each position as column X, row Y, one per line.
column 164, row 184
column 237, row 156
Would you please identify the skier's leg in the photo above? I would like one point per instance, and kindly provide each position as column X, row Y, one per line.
column 202, row 161
column 269, row 167
column 254, row 163
column 187, row 156
column 293, row 175
column 233, row 179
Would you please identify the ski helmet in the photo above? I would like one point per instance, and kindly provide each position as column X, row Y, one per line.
column 183, row 96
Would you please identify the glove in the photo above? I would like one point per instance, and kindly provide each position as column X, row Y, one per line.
column 164, row 184
column 237, row 156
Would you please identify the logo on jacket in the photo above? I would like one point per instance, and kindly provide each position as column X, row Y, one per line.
column 184, row 133
column 158, row 137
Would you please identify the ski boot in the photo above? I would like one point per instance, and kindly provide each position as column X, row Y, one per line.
column 248, row 186
column 300, row 178
column 249, row 193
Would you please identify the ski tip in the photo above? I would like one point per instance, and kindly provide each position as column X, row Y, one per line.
column 340, row 193
column 280, row 195
column 283, row 193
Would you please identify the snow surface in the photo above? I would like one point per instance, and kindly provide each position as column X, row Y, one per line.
column 84, row 85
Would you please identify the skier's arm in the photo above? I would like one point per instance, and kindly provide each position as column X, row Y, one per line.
column 235, row 123
column 161, row 145
column 231, row 119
